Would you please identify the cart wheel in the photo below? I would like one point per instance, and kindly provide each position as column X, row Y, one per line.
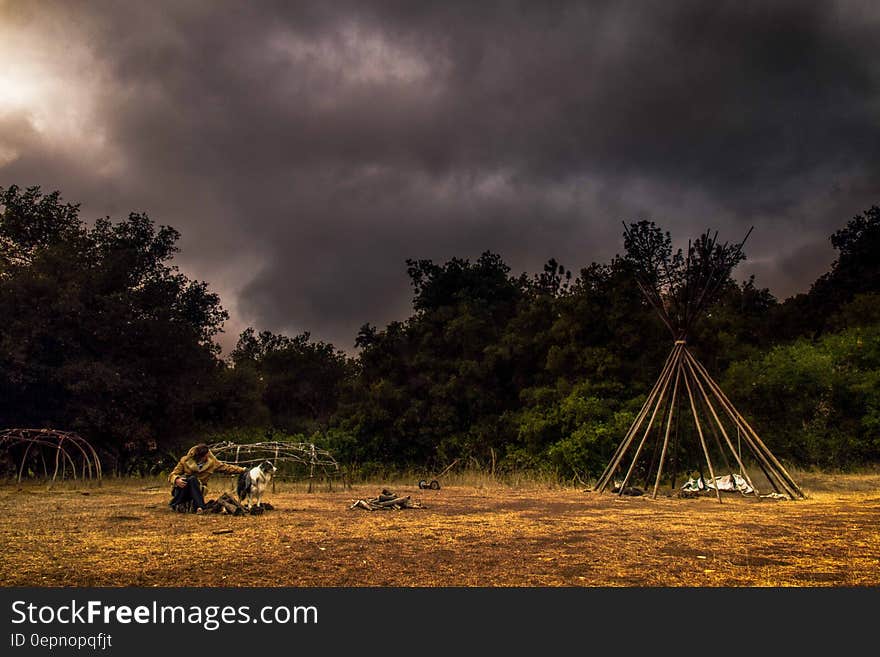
column 435, row 485
column 423, row 484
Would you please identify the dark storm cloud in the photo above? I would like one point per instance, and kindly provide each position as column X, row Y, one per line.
column 306, row 150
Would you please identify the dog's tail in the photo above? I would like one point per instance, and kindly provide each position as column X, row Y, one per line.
column 243, row 485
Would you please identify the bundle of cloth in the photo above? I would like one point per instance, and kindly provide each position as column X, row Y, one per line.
column 731, row 482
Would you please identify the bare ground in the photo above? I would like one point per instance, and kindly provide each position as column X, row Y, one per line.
column 120, row 534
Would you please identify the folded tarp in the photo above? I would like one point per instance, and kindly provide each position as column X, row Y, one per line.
column 731, row 482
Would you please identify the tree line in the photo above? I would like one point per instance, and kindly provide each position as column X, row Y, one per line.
column 103, row 335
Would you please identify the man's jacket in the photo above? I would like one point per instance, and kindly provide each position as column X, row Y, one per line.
column 188, row 466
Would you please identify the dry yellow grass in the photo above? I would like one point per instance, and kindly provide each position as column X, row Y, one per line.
column 119, row 534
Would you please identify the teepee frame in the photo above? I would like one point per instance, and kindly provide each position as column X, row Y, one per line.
column 680, row 288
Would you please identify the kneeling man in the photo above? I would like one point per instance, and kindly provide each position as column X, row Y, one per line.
column 190, row 475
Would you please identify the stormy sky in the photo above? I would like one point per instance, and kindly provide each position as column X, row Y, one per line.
column 306, row 149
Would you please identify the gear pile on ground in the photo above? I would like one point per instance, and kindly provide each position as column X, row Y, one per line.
column 632, row 491
column 386, row 501
column 227, row 504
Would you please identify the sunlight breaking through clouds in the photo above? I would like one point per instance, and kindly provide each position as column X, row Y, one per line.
column 51, row 87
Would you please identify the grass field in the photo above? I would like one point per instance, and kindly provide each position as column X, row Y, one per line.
column 479, row 533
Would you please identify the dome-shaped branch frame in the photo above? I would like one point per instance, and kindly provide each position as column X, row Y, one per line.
column 65, row 449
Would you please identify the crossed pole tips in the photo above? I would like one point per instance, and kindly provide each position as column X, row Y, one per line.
column 680, row 288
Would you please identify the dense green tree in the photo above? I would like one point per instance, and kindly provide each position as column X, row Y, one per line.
column 433, row 387
column 101, row 333
column 300, row 380
column 817, row 403
column 736, row 327
column 856, row 271
column 857, row 268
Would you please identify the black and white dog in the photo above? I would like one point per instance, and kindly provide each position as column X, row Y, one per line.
column 253, row 483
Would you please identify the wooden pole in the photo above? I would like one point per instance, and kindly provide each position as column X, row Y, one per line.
column 702, row 440
column 677, row 367
column 72, row 465
column 658, row 443
column 770, row 472
column 668, row 427
column 675, row 443
column 775, row 481
column 720, row 425
column 687, row 288
column 94, row 458
column 739, row 447
column 634, row 427
column 86, row 462
column 767, row 466
column 701, row 404
column 608, row 472
column 784, row 478
column 759, row 460
column 623, row 446
column 68, row 457
column 57, row 458
column 658, row 309
column 23, row 461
